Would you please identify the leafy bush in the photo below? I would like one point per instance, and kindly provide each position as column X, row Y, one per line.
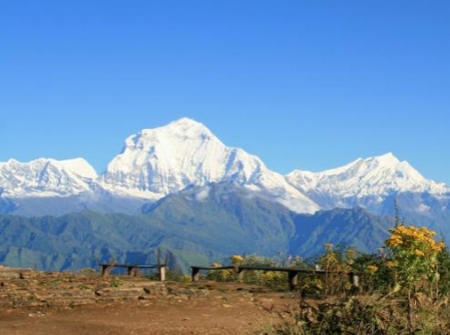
column 363, row 315
column 414, row 257
column 404, row 291
column 375, row 276
column 443, row 260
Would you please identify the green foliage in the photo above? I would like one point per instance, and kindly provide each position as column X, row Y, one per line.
column 363, row 315
column 115, row 283
column 337, row 262
column 354, row 227
column 221, row 275
column 444, row 272
column 404, row 291
column 274, row 280
column 82, row 240
column 348, row 316
column 371, row 281
column 414, row 257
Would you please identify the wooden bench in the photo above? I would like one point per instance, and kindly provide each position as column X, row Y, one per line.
column 292, row 272
column 133, row 269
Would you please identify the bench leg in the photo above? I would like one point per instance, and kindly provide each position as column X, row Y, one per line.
column 106, row 269
column 293, row 279
column 195, row 274
column 240, row 275
column 133, row 271
column 162, row 273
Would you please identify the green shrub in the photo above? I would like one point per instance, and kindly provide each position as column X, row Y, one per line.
column 444, row 272
column 375, row 276
column 115, row 283
column 364, row 315
column 404, row 291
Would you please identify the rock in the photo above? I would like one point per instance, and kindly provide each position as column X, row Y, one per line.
column 119, row 292
column 152, row 288
column 190, row 292
column 27, row 288
column 9, row 274
column 60, row 302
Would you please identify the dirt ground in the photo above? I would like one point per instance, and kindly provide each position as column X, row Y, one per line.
column 220, row 312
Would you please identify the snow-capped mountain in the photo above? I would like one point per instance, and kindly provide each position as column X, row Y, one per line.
column 212, row 200
column 364, row 182
column 45, row 178
column 157, row 162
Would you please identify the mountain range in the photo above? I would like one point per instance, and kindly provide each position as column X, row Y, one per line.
column 180, row 178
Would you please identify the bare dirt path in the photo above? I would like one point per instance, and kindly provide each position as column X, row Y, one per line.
column 220, row 312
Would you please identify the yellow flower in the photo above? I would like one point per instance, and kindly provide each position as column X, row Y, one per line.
column 236, row 259
column 391, row 264
column 372, row 268
column 186, row 278
column 419, row 253
column 394, row 240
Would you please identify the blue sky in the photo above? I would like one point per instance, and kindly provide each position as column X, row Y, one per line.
column 310, row 85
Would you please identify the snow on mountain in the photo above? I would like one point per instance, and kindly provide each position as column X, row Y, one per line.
column 374, row 177
column 160, row 161
column 157, row 162
column 45, row 177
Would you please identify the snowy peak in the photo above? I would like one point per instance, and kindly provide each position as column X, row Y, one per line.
column 184, row 153
column 400, row 174
column 169, row 158
column 374, row 176
column 385, row 168
column 45, row 177
column 387, row 159
column 160, row 161
column 153, row 163
column 177, row 131
column 185, row 128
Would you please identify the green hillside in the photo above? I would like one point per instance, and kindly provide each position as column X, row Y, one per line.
column 196, row 226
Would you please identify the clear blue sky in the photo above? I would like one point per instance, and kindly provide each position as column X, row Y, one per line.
column 302, row 84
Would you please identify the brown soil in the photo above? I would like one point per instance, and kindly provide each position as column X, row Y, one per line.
column 178, row 317
column 219, row 308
